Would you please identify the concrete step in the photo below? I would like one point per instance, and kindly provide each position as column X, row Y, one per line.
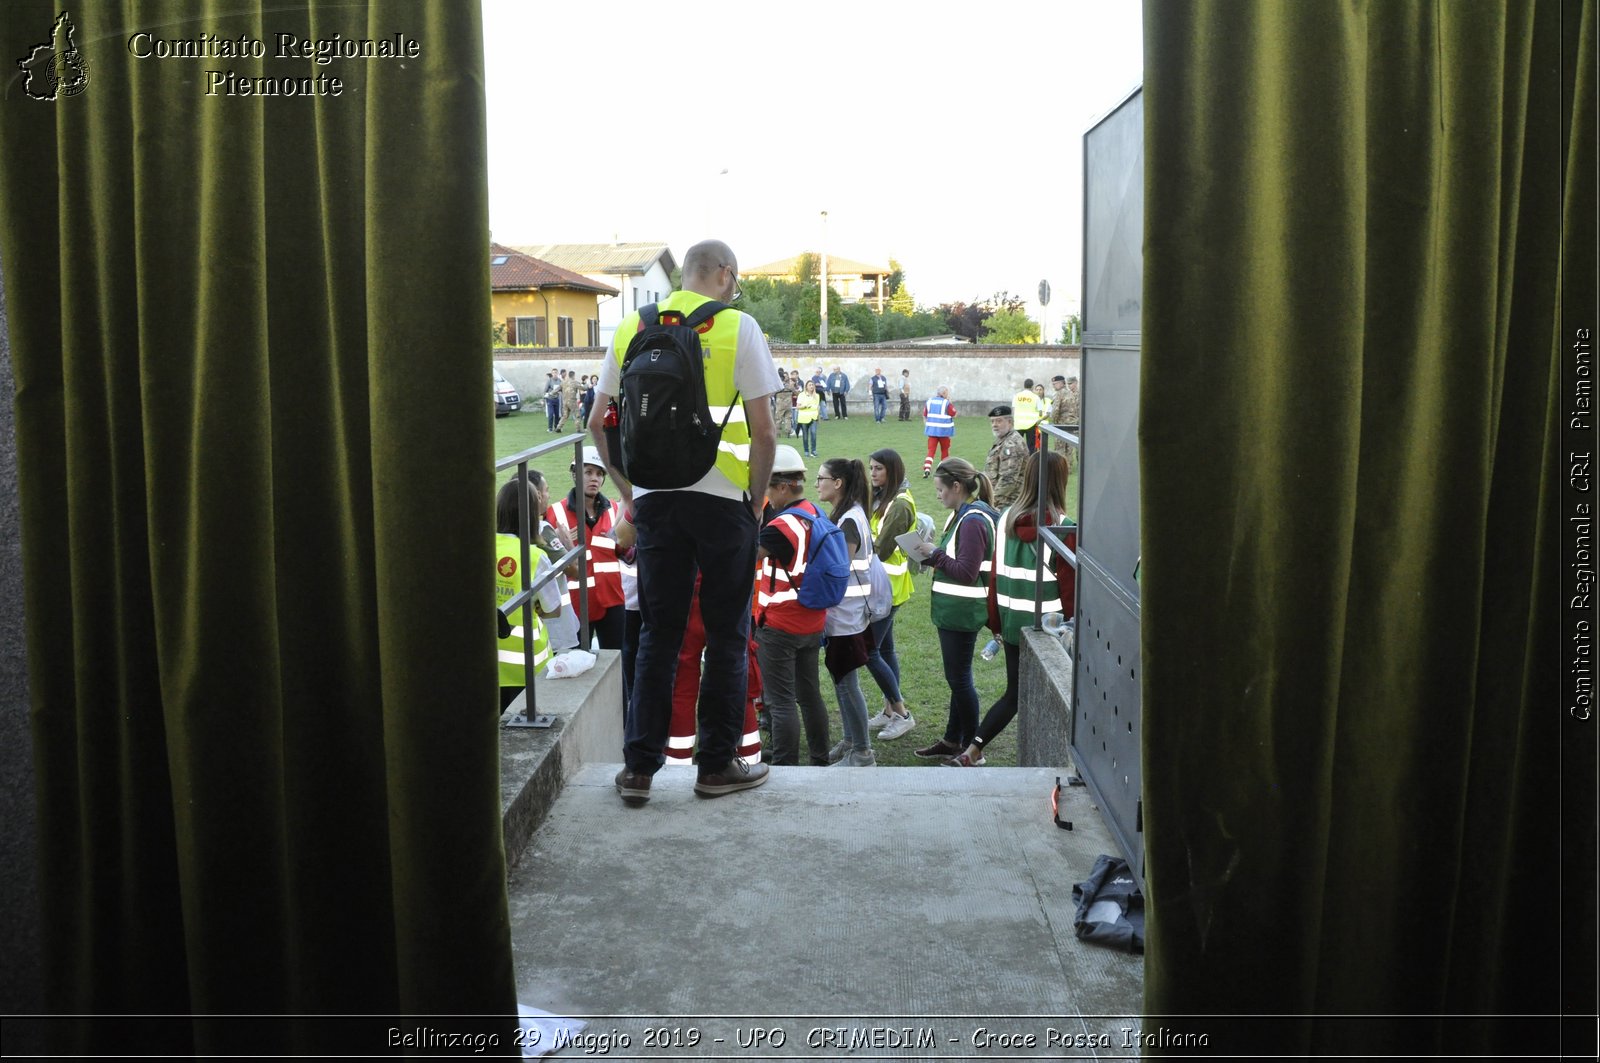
column 903, row 896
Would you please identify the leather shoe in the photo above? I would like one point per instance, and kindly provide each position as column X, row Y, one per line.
column 634, row 786
column 738, row 775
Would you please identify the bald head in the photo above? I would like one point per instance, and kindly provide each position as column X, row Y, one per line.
column 710, row 268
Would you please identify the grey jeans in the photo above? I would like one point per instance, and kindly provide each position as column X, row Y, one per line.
column 789, row 683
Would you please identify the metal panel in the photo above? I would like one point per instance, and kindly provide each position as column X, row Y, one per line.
column 1105, row 714
column 1113, row 225
column 1110, row 481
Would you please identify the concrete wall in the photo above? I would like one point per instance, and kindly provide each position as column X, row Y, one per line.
column 1044, row 702
column 979, row 375
column 20, row 942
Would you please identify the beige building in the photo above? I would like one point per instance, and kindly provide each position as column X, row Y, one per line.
column 542, row 304
column 856, row 282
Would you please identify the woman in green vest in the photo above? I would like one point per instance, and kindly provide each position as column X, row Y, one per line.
column 1016, row 557
column 508, row 583
column 893, row 513
column 961, row 564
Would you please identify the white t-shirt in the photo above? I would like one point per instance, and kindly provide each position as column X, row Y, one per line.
column 754, row 374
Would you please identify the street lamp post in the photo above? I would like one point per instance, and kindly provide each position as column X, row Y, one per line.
column 822, row 330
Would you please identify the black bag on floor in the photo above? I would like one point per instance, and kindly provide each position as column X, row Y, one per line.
column 1110, row 906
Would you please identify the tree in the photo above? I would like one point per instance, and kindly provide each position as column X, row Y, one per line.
column 1010, row 326
column 807, row 268
column 1071, row 329
column 896, row 278
column 497, row 333
column 860, row 319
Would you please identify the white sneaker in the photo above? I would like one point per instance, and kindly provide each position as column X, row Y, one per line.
column 879, row 720
column 897, row 726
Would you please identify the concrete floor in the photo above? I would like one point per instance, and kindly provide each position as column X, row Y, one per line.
column 902, row 906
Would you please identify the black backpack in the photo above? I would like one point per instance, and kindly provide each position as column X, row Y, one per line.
column 664, row 420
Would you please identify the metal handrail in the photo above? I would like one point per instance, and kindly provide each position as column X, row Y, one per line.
column 579, row 552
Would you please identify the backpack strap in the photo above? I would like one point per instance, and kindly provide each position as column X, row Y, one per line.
column 649, row 315
column 705, row 312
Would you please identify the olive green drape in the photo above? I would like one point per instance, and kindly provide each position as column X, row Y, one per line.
column 1353, row 221
column 254, row 441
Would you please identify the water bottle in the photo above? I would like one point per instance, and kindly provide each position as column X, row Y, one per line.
column 990, row 648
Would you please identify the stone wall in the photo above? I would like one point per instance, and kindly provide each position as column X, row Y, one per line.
column 979, row 375
column 1044, row 702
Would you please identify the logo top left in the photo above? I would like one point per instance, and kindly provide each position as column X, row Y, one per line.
column 55, row 68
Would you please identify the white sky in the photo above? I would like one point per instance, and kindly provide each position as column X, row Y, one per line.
column 947, row 136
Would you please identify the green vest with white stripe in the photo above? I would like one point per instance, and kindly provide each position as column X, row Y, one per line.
column 964, row 606
column 720, row 345
column 900, row 579
column 507, row 584
column 1013, row 585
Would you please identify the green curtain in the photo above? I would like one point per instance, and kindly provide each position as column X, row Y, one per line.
column 1353, row 220
column 254, row 437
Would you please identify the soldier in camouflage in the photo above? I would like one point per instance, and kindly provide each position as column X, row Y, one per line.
column 1006, row 457
column 570, row 391
column 1066, row 410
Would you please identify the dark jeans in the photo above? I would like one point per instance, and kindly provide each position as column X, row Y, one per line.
column 884, row 663
column 956, row 649
column 905, row 408
column 1002, row 712
column 808, row 437
column 880, row 407
column 838, row 404
column 792, row 693
column 632, row 622
column 681, row 533
column 552, row 413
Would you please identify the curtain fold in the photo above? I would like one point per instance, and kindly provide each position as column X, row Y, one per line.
column 1352, row 223
column 250, row 358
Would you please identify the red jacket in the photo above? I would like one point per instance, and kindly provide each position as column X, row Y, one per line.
column 600, row 553
column 777, row 587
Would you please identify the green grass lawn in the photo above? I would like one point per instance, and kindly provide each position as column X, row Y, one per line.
column 921, row 673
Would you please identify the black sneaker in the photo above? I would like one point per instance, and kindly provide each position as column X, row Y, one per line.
column 634, row 786
column 738, row 775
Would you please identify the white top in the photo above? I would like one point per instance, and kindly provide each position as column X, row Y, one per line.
column 850, row 615
column 754, row 374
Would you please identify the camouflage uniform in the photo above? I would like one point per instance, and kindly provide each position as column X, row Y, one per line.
column 1005, row 467
column 1066, row 410
column 783, row 407
column 569, row 400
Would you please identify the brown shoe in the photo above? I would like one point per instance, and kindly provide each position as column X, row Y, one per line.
column 941, row 748
column 738, row 775
column 634, row 786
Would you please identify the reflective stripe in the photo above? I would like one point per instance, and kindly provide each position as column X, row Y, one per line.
column 734, row 414
column 895, row 570
column 680, row 742
column 1050, row 605
column 777, row 597
column 857, row 590
column 1016, row 573
column 738, row 450
column 958, row 590
column 603, row 541
column 606, row 566
column 860, row 564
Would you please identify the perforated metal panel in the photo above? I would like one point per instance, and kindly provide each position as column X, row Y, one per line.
column 1105, row 717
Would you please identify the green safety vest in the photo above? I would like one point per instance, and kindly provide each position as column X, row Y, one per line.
column 507, row 584
column 898, row 568
column 721, row 341
column 964, row 606
column 1013, row 585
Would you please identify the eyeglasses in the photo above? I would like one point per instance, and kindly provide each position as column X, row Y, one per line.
column 821, row 478
column 738, row 292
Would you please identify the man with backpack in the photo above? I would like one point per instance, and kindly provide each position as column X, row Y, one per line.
column 693, row 378
column 788, row 630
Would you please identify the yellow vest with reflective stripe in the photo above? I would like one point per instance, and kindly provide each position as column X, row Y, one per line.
column 900, row 578
column 1025, row 411
column 720, row 343
column 507, row 584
